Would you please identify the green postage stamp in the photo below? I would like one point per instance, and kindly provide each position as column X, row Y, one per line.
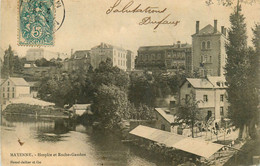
column 36, row 22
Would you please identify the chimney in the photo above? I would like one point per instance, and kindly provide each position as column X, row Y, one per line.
column 179, row 44
column 222, row 29
column 197, row 27
column 215, row 26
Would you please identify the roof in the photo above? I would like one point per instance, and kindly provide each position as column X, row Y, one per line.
column 164, row 47
column 199, row 82
column 209, row 29
column 17, row 81
column 107, row 46
column 80, row 106
column 168, row 117
column 31, row 101
column 2, row 81
column 81, row 54
column 209, row 82
column 218, row 82
column 191, row 145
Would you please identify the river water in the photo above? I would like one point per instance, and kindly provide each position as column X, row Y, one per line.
column 58, row 142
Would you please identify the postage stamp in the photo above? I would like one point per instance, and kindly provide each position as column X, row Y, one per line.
column 36, row 22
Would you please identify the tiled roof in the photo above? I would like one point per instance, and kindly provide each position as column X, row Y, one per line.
column 163, row 47
column 169, row 117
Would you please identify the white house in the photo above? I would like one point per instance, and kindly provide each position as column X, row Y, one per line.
column 13, row 87
column 80, row 109
column 210, row 93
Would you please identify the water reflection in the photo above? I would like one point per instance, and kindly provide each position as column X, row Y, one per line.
column 62, row 135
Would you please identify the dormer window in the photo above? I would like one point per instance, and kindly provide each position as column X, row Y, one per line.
column 189, row 85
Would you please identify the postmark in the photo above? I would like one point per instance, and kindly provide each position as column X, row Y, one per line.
column 36, row 22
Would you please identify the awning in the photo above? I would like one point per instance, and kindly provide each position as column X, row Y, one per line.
column 191, row 145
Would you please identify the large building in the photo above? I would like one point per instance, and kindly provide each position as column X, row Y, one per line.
column 130, row 62
column 176, row 56
column 103, row 51
column 208, row 50
column 34, row 54
column 13, row 87
column 210, row 93
column 79, row 60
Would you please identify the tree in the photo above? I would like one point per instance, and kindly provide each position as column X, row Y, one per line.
column 241, row 91
column 110, row 106
column 8, row 65
column 189, row 112
column 229, row 2
column 108, row 74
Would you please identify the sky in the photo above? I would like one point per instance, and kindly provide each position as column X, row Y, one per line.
column 86, row 23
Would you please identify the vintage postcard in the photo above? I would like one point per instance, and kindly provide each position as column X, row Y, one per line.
column 129, row 82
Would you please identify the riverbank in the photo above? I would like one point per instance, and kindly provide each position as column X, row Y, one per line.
column 35, row 111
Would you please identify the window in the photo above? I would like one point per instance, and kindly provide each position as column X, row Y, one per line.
column 208, row 44
column 210, row 59
column 221, row 111
column 203, row 45
column 3, row 95
column 205, row 58
column 162, row 127
column 189, row 85
column 13, row 95
column 13, row 88
column 8, row 83
column 8, row 89
column 187, row 98
column 8, row 95
column 205, row 98
column 221, row 97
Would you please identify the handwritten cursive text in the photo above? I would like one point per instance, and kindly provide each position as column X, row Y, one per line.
column 148, row 20
column 137, row 9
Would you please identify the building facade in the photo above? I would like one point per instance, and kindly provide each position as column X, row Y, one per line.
column 174, row 56
column 103, row 51
column 34, row 54
column 208, row 50
column 130, row 60
column 211, row 95
column 80, row 60
column 13, row 87
column 164, row 119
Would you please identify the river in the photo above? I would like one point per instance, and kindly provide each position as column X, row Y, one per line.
column 56, row 142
